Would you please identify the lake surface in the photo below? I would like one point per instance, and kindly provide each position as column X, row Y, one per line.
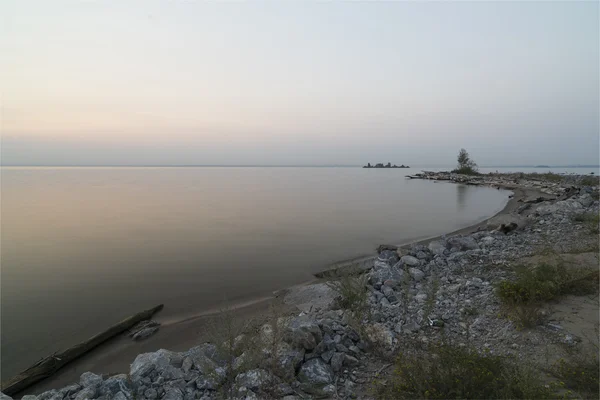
column 83, row 248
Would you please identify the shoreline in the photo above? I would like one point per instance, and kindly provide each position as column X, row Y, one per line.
column 519, row 194
column 183, row 332
column 392, row 316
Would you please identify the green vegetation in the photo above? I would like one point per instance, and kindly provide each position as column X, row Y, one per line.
column 590, row 220
column 448, row 372
column 540, row 283
column 465, row 165
column 580, row 374
column 589, row 180
column 352, row 291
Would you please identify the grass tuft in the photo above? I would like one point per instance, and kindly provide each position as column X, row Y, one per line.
column 541, row 283
column 447, row 372
column 352, row 291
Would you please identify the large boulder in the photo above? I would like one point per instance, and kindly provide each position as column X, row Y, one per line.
column 205, row 358
column 147, row 363
column 89, row 379
column 310, row 297
column 437, row 247
column 4, row 397
column 410, row 261
column 416, row 274
column 303, row 332
column 586, row 200
column 314, row 376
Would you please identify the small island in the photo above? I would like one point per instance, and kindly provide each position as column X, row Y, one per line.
column 388, row 165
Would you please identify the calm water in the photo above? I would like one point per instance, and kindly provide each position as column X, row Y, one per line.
column 84, row 247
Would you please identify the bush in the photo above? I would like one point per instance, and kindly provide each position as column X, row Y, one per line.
column 352, row 291
column 447, row 372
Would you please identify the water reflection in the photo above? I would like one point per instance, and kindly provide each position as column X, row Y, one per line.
column 461, row 196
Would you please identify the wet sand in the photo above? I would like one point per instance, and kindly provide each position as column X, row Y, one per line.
column 117, row 354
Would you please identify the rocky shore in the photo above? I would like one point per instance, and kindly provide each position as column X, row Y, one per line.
column 346, row 334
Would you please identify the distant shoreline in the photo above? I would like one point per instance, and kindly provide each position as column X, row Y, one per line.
column 280, row 166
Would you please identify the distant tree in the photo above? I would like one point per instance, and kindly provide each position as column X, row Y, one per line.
column 465, row 165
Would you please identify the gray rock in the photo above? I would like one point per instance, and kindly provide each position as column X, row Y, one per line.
column 69, row 390
column 350, row 361
column 410, row 261
column 566, row 206
column 326, row 356
column 26, row 397
column 289, row 359
column 50, row 394
column 89, row 379
column 203, row 357
column 488, row 240
column 380, row 275
column 187, row 364
column 437, row 247
column 307, row 297
column 389, row 257
column 173, row 394
column 87, row 393
column 586, row 200
column 120, row 396
column 282, row 389
column 115, row 384
column 145, row 363
column 411, row 327
column 337, row 361
column 151, row 394
column 4, row 397
column 254, row 379
column 303, row 332
column 329, row 390
column 416, row 274
column 387, row 291
column 314, row 375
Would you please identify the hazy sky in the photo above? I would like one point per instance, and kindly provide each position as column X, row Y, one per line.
column 195, row 82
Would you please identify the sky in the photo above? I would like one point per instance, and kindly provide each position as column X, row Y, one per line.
column 298, row 83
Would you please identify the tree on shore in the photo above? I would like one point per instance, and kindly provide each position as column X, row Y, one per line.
column 465, row 165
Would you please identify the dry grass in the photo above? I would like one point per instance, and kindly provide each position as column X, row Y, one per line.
column 448, row 372
column 543, row 282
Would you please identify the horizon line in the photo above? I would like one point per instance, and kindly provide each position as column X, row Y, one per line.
column 285, row 165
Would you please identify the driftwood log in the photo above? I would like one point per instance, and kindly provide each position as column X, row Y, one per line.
column 49, row 365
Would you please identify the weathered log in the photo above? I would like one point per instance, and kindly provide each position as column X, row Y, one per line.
column 49, row 365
